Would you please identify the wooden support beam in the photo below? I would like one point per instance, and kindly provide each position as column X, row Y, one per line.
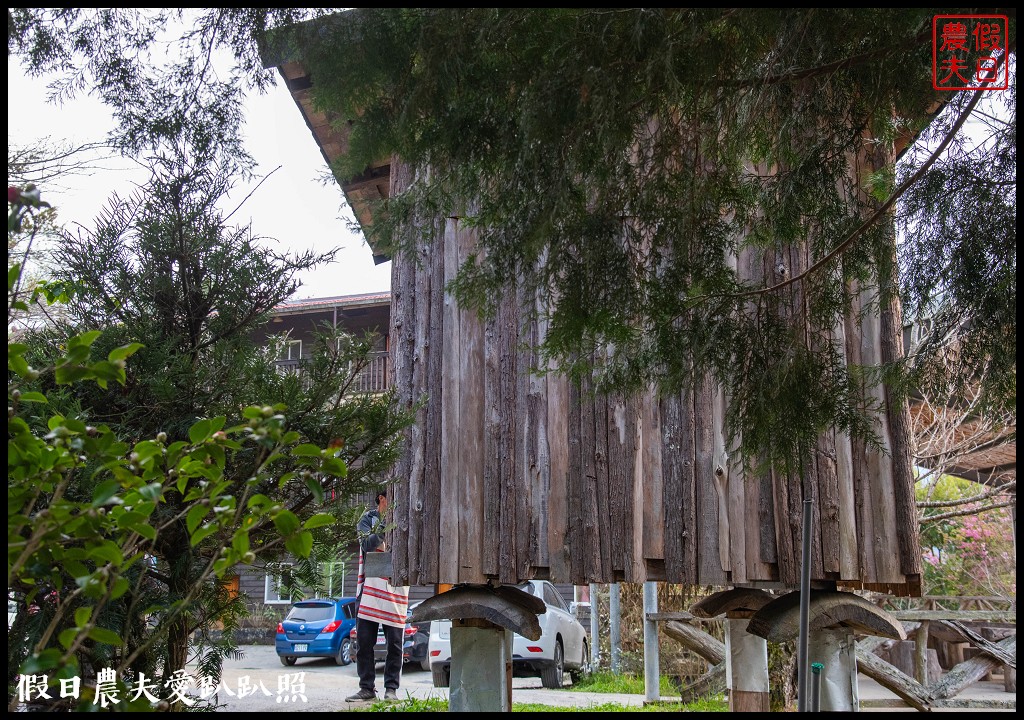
column 910, row 690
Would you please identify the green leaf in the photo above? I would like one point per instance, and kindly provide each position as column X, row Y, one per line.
column 203, row 533
column 107, row 551
column 300, row 544
column 146, row 531
column 319, row 520
column 195, row 516
column 13, row 272
column 67, row 637
column 85, row 339
column 107, row 637
column 286, row 522
column 307, row 450
column 104, row 491
column 131, row 520
column 315, row 488
column 240, row 542
column 151, row 492
column 17, row 364
column 82, row 616
column 33, row 396
column 121, row 584
column 45, row 660
column 334, row 466
column 120, row 353
column 68, row 374
column 259, row 500
column 200, row 431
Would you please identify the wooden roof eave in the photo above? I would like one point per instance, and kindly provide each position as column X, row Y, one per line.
column 331, row 136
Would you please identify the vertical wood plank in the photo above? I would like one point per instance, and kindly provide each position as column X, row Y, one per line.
column 451, row 508
column 521, row 431
column 402, row 335
column 575, row 531
column 735, row 502
column 828, row 504
column 849, row 564
column 689, row 507
column 429, row 504
column 587, row 498
column 654, row 494
column 720, row 481
column 879, row 461
column 901, row 438
column 538, row 460
column 673, row 478
column 558, row 479
column 604, row 518
column 471, row 424
column 636, row 570
column 859, row 464
column 709, row 561
column 412, row 529
column 506, row 459
column 492, row 471
column 619, row 482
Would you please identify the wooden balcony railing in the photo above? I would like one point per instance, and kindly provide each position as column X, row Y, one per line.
column 373, row 378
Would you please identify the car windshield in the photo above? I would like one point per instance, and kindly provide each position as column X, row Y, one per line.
column 311, row 612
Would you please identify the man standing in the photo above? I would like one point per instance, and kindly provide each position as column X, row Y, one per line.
column 380, row 604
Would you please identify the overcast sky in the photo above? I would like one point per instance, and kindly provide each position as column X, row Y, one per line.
column 292, row 205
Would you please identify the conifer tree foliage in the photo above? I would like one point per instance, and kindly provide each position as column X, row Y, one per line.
column 164, row 269
column 615, row 160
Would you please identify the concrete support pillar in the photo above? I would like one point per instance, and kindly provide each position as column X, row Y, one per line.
column 481, row 669
column 746, row 669
column 835, row 648
column 614, row 630
column 652, row 662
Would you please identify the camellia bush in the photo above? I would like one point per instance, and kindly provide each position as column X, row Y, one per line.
column 78, row 562
column 967, row 554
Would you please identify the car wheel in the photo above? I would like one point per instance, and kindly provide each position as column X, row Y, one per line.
column 288, row 660
column 553, row 675
column 425, row 663
column 441, row 676
column 583, row 670
column 344, row 656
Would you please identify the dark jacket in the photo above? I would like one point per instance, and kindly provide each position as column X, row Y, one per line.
column 369, row 540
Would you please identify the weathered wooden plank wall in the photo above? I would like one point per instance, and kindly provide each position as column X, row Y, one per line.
column 509, row 475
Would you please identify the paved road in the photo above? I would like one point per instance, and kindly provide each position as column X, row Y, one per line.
column 258, row 682
column 316, row 685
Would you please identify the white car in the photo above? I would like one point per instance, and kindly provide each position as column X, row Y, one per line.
column 563, row 644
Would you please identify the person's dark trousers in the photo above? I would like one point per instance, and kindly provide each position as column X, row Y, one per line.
column 366, row 638
column 393, row 663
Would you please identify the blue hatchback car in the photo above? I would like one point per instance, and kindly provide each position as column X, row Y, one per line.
column 317, row 628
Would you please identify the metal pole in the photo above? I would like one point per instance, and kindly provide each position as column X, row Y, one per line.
column 652, row 673
column 595, row 639
column 613, row 622
column 816, row 669
column 805, row 609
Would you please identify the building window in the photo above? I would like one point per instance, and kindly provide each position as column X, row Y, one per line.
column 274, row 584
column 334, row 578
column 291, row 350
